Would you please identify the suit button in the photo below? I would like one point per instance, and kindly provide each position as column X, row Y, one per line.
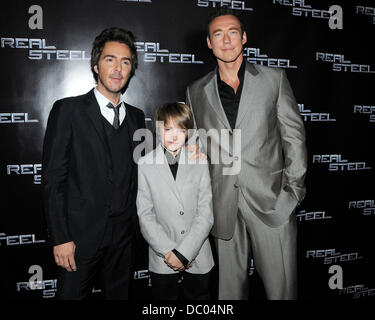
column 236, row 185
column 236, row 158
column 181, row 212
column 183, row 231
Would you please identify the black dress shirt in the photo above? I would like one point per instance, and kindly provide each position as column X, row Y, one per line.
column 230, row 100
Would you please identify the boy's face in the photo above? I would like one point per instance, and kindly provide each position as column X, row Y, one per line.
column 172, row 136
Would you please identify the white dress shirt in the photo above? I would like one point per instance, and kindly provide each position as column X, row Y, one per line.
column 109, row 113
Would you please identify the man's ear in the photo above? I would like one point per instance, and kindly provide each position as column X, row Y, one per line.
column 244, row 38
column 96, row 69
column 209, row 42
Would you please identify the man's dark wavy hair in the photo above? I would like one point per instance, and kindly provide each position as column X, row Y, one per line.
column 224, row 11
column 118, row 35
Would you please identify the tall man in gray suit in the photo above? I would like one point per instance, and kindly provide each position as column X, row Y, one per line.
column 253, row 207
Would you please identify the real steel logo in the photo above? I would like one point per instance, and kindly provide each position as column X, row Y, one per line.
column 330, row 256
column 358, row 291
column 48, row 287
column 367, row 11
column 340, row 64
column 235, row 5
column 253, row 55
column 367, row 110
column 39, row 50
column 142, row 274
column 17, row 117
column 336, row 163
column 303, row 215
column 301, row 8
column 367, row 207
column 309, row 116
column 26, row 169
column 153, row 53
column 18, row 240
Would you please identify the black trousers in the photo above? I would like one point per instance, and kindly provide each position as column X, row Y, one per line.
column 111, row 264
column 184, row 285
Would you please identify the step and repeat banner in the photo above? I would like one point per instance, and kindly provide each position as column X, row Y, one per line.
column 326, row 49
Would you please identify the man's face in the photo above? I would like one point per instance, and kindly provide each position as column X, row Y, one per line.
column 225, row 38
column 173, row 137
column 114, row 67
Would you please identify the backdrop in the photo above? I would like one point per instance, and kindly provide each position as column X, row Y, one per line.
column 45, row 52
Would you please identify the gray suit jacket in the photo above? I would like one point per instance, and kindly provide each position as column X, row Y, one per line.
column 268, row 159
column 175, row 214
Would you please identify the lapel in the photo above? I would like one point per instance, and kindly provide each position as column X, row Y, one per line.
column 96, row 118
column 212, row 93
column 94, row 114
column 166, row 174
column 183, row 171
column 131, row 122
column 249, row 89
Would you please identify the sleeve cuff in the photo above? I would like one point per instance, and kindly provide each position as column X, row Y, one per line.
column 180, row 257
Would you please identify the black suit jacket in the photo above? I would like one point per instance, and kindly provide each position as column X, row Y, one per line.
column 77, row 171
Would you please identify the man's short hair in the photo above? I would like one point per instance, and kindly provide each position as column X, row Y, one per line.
column 117, row 35
column 224, row 11
column 178, row 112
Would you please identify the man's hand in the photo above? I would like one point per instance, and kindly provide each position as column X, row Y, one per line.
column 172, row 261
column 195, row 152
column 64, row 255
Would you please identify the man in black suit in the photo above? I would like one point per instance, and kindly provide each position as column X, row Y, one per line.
column 90, row 177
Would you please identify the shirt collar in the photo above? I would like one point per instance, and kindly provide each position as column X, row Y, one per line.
column 103, row 100
column 240, row 73
column 169, row 156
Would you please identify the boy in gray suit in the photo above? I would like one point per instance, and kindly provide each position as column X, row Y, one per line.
column 174, row 204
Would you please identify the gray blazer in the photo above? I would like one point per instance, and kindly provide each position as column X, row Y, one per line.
column 270, row 151
column 175, row 214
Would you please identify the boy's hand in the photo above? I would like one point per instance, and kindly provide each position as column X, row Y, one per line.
column 190, row 264
column 195, row 152
column 172, row 261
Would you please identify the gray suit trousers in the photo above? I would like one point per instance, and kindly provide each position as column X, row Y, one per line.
column 273, row 250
